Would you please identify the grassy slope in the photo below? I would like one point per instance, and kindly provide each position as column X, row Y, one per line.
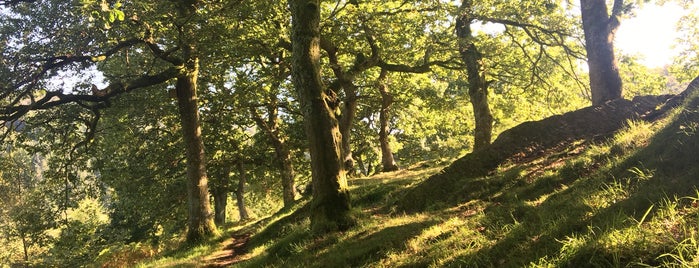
column 631, row 201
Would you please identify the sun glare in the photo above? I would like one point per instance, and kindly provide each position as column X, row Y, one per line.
column 651, row 34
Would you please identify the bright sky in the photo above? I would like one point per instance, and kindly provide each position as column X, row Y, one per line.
column 651, row 33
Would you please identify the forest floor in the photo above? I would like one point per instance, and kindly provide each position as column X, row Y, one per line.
column 232, row 251
column 621, row 197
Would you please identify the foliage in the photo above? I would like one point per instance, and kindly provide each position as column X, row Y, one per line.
column 137, row 158
column 26, row 215
column 639, row 80
column 64, row 169
column 81, row 240
column 685, row 65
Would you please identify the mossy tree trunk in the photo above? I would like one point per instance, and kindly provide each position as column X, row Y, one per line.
column 387, row 161
column 201, row 223
column 477, row 83
column 600, row 28
column 331, row 204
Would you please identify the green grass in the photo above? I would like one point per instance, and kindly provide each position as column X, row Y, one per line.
column 629, row 202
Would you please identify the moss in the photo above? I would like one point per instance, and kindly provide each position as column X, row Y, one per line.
column 331, row 212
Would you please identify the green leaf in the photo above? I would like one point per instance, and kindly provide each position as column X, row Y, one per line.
column 119, row 15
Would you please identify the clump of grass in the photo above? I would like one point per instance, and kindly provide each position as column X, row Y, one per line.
column 637, row 134
column 681, row 224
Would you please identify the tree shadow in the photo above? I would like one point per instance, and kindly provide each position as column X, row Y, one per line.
column 668, row 164
column 367, row 247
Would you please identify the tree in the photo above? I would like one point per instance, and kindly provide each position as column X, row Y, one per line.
column 523, row 54
column 600, row 27
column 27, row 214
column 388, row 163
column 240, row 191
column 686, row 65
column 272, row 129
column 38, row 62
column 475, row 71
column 330, row 207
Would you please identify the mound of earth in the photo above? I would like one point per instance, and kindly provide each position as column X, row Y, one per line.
column 534, row 139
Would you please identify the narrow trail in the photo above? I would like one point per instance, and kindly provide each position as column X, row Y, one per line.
column 232, row 251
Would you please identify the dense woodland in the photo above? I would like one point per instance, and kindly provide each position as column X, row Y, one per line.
column 135, row 127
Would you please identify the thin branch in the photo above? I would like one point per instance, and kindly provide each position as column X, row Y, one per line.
column 165, row 55
column 422, row 68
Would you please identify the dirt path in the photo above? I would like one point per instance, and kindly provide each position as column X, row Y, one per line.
column 232, row 251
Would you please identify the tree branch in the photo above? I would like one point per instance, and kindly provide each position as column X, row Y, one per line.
column 165, row 55
column 53, row 99
column 14, row 2
column 422, row 68
column 615, row 17
column 56, row 62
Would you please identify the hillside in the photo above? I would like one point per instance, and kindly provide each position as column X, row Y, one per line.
column 625, row 196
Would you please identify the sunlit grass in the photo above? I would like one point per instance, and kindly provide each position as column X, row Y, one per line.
column 180, row 254
column 628, row 202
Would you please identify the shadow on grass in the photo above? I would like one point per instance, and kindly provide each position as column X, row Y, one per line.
column 299, row 248
column 540, row 231
column 367, row 247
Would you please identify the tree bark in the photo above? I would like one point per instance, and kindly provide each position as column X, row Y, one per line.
column 477, row 83
column 220, row 195
column 201, row 224
column 330, row 207
column 287, row 171
column 600, row 28
column 240, row 192
column 25, row 247
column 349, row 112
column 387, row 161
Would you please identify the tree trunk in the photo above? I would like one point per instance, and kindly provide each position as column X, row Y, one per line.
column 25, row 247
column 349, row 112
column 220, row 203
column 201, row 224
column 240, row 192
column 331, row 203
column 360, row 164
column 600, row 28
column 287, row 171
column 219, row 191
column 281, row 150
column 387, row 160
column 477, row 83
